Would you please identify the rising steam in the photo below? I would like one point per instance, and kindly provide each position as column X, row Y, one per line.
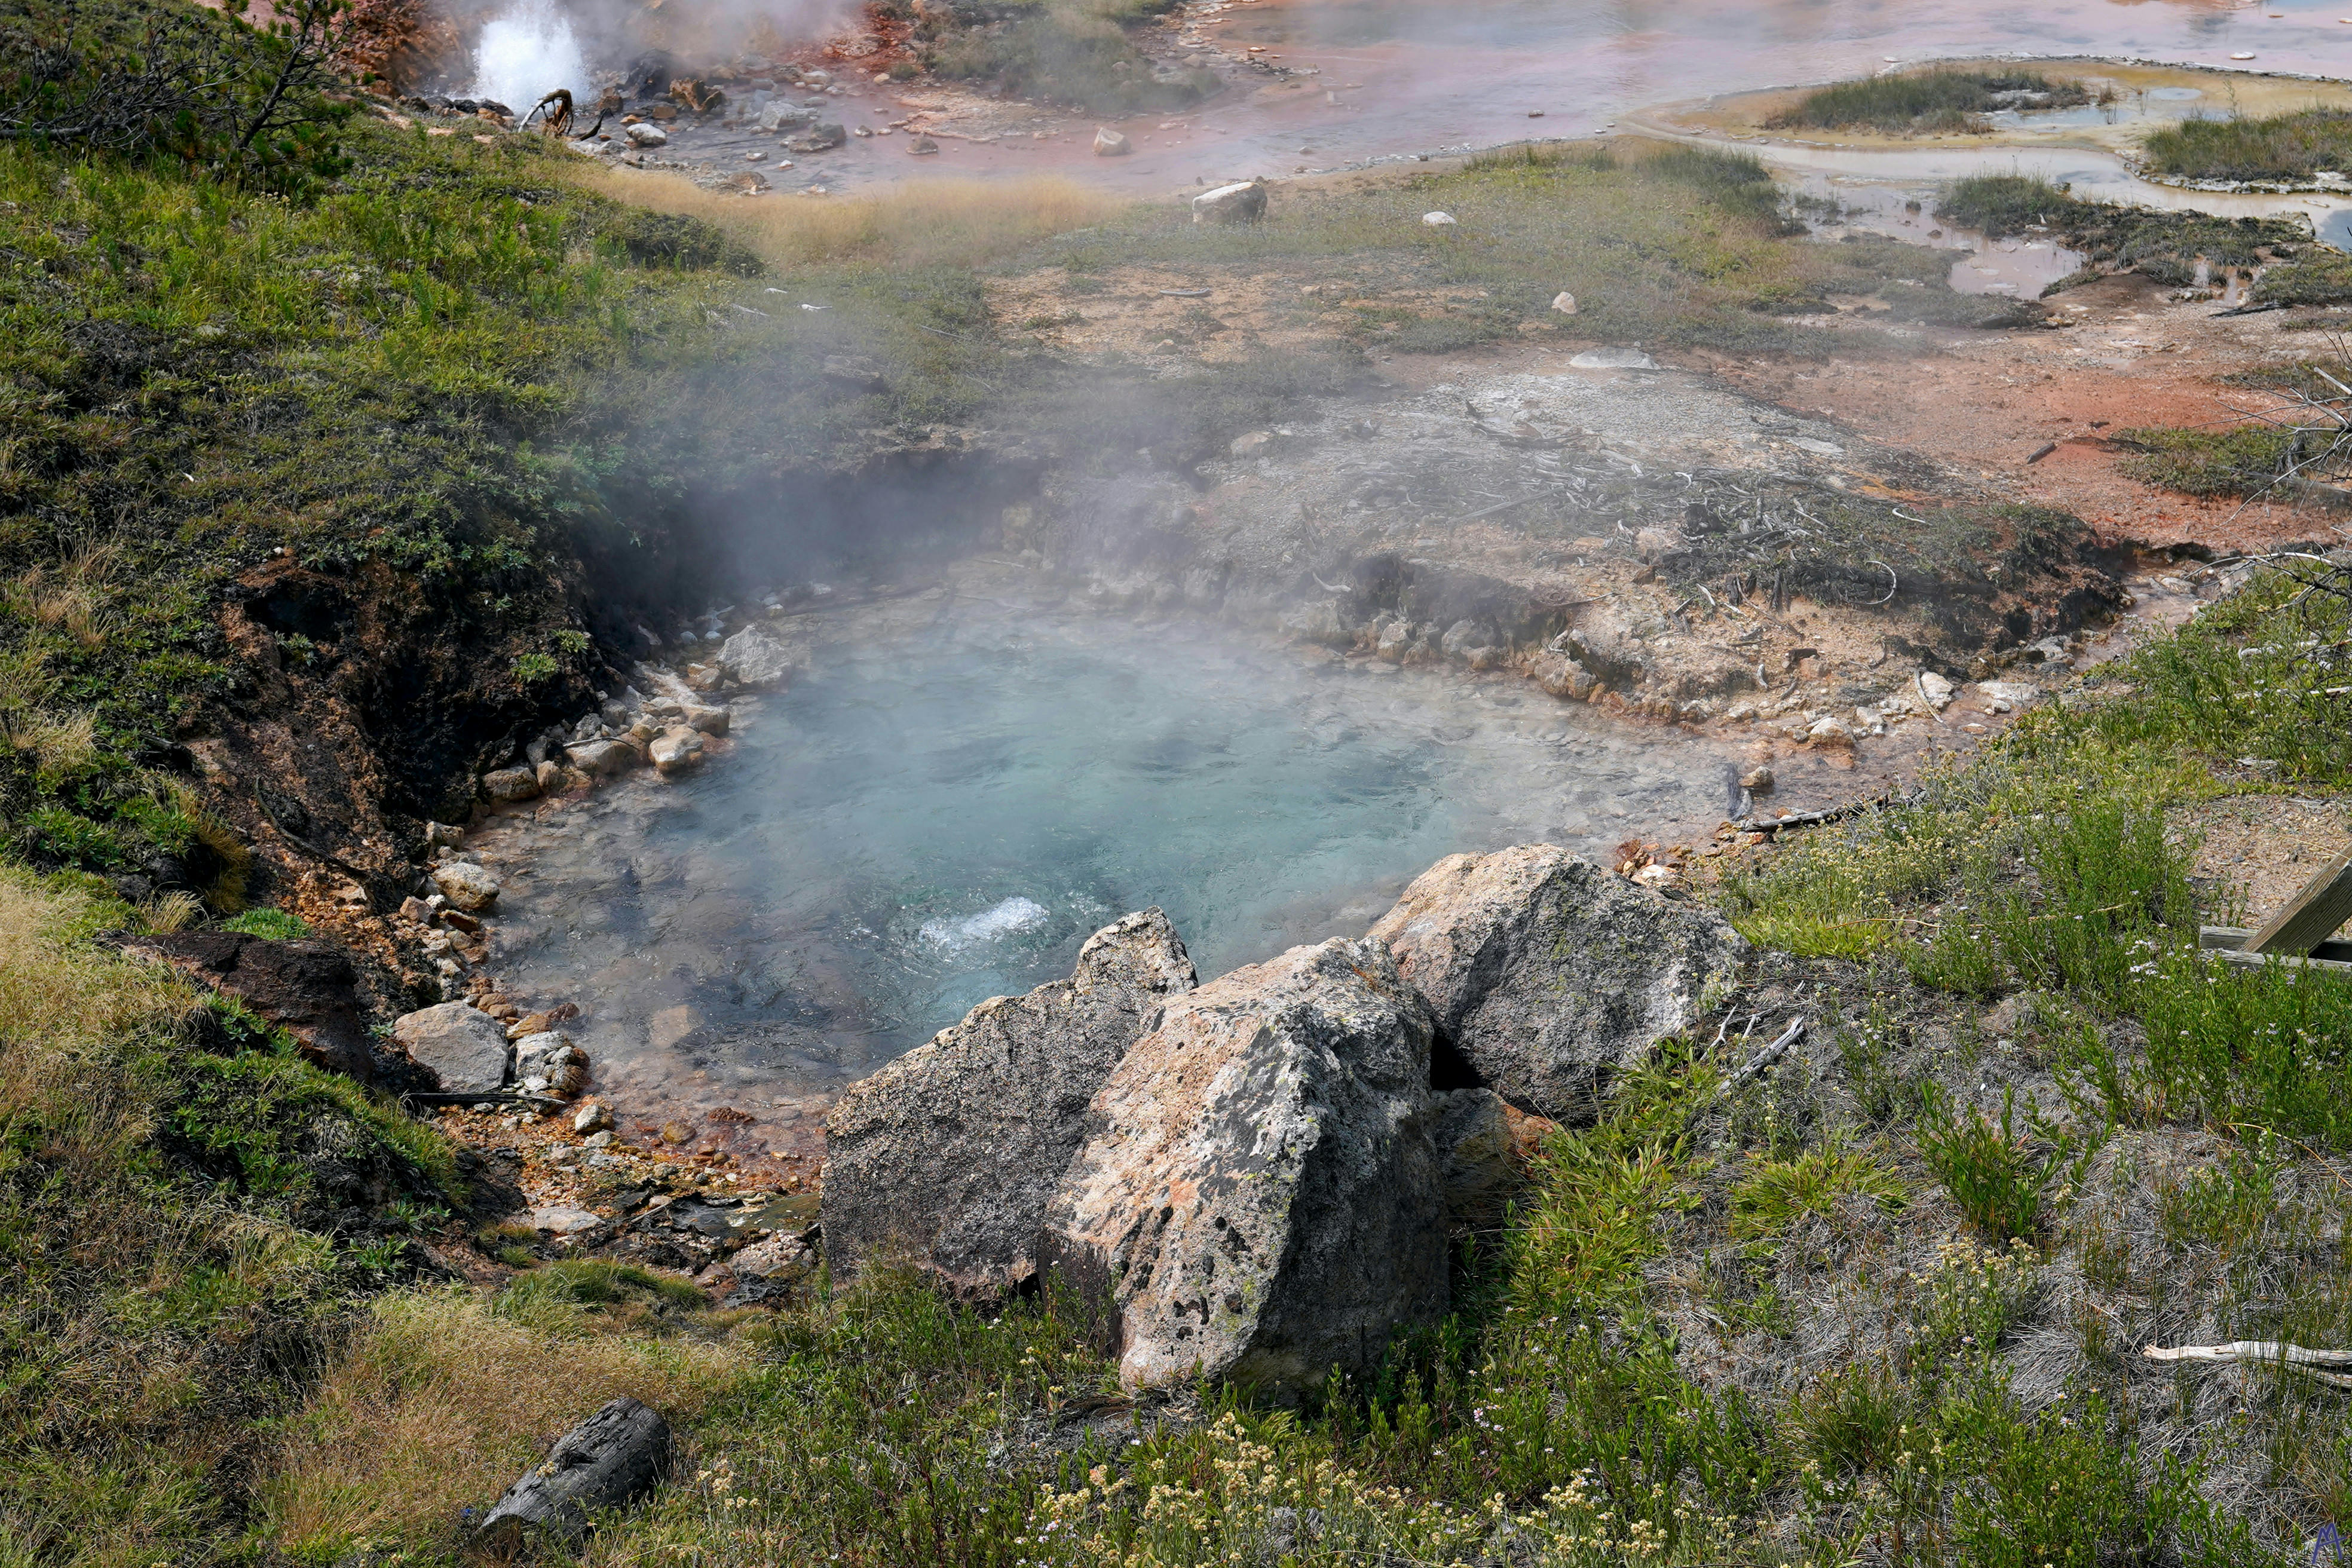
column 526, row 51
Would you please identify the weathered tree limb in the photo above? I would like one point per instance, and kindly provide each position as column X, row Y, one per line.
column 2277, row 1352
column 609, row 1460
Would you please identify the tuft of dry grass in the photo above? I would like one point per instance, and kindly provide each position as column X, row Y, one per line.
column 941, row 223
column 443, row 1400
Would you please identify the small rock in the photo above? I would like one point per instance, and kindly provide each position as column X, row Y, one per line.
column 1438, row 220
column 592, row 1118
column 818, row 138
column 598, row 758
column 676, row 749
column 1936, row 690
column 563, row 1219
column 548, row 1063
column 511, row 784
column 599, row 1139
column 417, row 910
column 1241, row 203
column 1111, row 144
column 1564, row 303
column 921, row 147
column 675, row 1132
column 462, row 1046
column 710, row 720
column 1830, row 734
column 2007, row 694
column 457, row 920
column 647, row 134
column 1757, row 779
column 1251, row 445
column 468, row 885
column 440, row 834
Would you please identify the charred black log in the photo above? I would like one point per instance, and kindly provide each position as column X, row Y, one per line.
column 609, row 1460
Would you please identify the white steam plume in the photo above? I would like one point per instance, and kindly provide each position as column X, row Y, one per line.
column 527, row 51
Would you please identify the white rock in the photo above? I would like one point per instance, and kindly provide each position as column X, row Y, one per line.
column 1564, row 303
column 2005, row 694
column 647, row 134
column 710, row 720
column 469, row 887
column 1936, row 690
column 1831, row 734
column 756, row 657
column 676, row 749
column 1244, row 202
column 1110, row 143
column 1438, row 220
column 563, row 1219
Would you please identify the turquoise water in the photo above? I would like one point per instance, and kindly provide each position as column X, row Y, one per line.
column 927, row 821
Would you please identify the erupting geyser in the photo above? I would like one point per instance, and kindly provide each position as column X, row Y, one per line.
column 526, row 51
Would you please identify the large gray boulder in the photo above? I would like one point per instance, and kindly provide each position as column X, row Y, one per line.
column 462, row 1046
column 949, row 1156
column 756, row 657
column 1263, row 1201
column 1548, row 975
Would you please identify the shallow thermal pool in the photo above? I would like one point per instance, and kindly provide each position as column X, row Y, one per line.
column 943, row 813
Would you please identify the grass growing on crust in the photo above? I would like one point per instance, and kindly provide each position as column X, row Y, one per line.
column 1931, row 102
column 2280, row 148
column 2166, row 246
column 2237, row 461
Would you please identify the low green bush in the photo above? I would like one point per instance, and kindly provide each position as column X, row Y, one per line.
column 2281, row 147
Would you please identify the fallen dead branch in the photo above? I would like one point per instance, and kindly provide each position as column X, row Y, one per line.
column 2275, row 1351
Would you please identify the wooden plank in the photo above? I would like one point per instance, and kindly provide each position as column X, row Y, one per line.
column 2257, row 960
column 2311, row 916
column 2234, row 937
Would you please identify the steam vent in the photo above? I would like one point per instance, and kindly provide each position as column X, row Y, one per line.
column 1284, row 783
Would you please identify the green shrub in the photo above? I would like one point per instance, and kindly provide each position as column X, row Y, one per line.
column 1990, row 1167
column 2323, row 277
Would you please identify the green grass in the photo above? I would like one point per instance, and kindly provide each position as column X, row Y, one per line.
column 2322, row 278
column 2282, row 148
column 275, row 924
column 2165, row 247
column 1940, row 100
column 2241, row 460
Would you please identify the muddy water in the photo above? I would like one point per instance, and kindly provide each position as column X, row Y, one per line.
column 953, row 800
column 1379, row 79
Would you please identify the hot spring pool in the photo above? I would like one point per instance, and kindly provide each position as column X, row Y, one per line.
column 945, row 807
